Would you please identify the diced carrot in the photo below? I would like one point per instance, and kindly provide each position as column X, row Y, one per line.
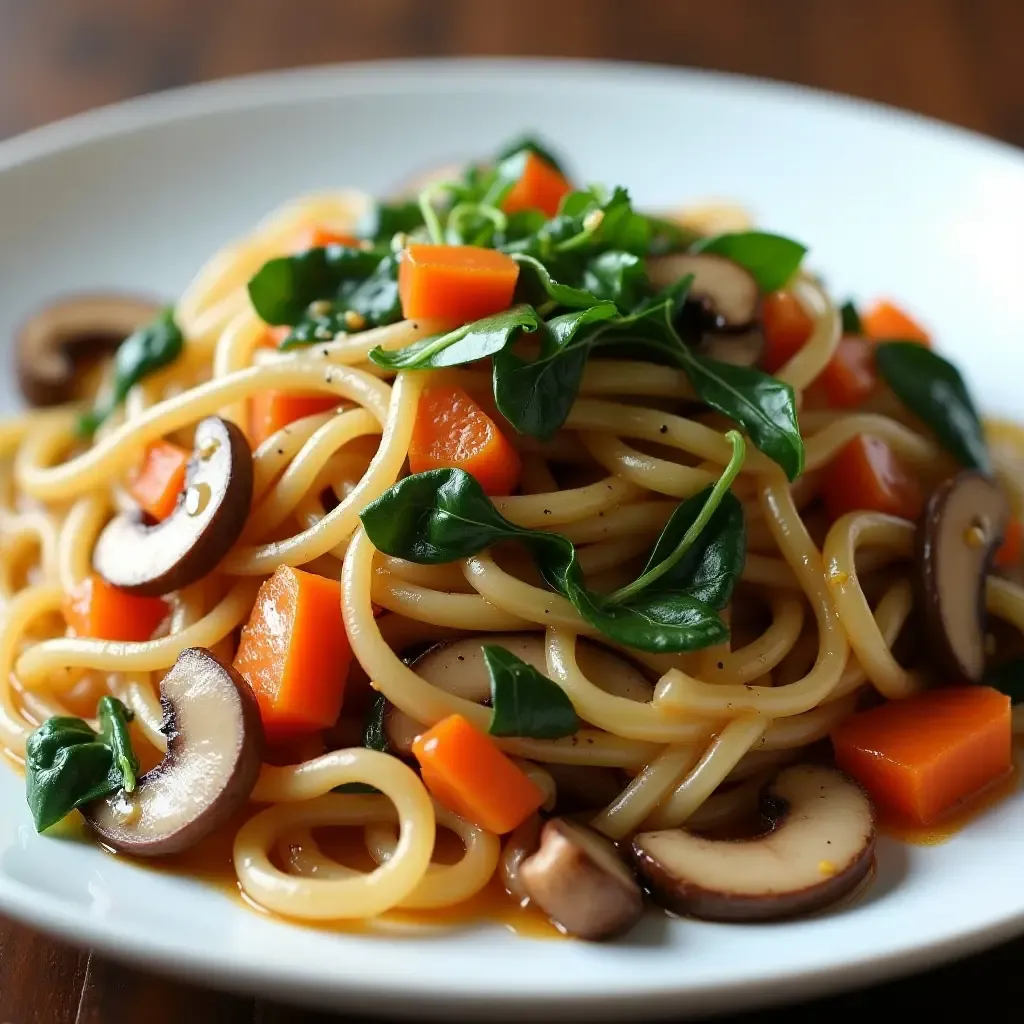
column 786, row 327
column 1008, row 554
column 451, row 430
column 919, row 757
column 273, row 336
column 540, row 187
column 866, row 475
column 318, row 237
column 465, row 771
column 269, row 411
column 885, row 321
column 294, row 653
column 849, row 377
column 96, row 608
column 456, row 282
column 159, row 479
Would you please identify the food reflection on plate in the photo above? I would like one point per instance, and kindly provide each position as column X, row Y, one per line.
column 608, row 543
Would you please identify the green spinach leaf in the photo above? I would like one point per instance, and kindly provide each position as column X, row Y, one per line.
column 536, row 396
column 536, row 280
column 525, row 702
column 933, row 390
column 372, row 302
column 711, row 567
column 389, row 219
column 658, row 621
column 772, row 259
column 851, row 319
column 67, row 765
column 438, row 516
column 147, row 350
column 763, row 405
column 465, row 344
column 443, row 515
column 618, row 276
column 283, row 289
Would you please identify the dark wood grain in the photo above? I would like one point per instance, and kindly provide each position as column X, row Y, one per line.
column 958, row 60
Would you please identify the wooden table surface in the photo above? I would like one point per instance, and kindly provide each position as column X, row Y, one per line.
column 958, row 60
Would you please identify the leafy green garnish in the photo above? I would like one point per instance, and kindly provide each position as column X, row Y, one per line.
column 1007, row 678
column 933, row 390
column 771, row 259
column 763, row 405
column 147, row 350
column 389, row 219
column 850, row 318
column 322, row 291
column 67, row 765
column 525, row 702
column 536, row 396
column 465, row 344
column 443, row 515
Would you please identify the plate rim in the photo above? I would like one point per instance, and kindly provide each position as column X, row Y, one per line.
column 51, row 915
column 238, row 92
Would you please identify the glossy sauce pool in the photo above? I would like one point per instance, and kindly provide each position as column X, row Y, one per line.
column 211, row 862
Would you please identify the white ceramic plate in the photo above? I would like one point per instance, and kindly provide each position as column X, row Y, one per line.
column 138, row 195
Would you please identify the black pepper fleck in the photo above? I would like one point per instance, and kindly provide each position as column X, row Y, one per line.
column 462, row 657
column 663, row 429
column 547, row 511
column 721, row 664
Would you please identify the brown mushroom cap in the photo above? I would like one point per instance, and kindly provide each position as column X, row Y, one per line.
column 727, row 291
column 742, row 349
column 208, row 519
column 820, row 847
column 578, row 879
column 52, row 343
column 962, row 526
column 521, row 843
column 214, row 753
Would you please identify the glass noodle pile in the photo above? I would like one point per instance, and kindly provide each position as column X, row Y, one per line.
column 506, row 509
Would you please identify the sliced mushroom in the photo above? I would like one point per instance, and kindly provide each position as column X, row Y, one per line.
column 578, row 879
column 521, row 843
column 214, row 753
column 962, row 526
column 208, row 519
column 401, row 730
column 52, row 344
column 727, row 292
column 736, row 349
column 820, row 847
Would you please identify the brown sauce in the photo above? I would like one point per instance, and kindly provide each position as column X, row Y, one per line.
column 211, row 862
